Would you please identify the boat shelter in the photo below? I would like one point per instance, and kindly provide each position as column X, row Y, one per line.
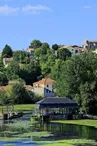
column 57, row 108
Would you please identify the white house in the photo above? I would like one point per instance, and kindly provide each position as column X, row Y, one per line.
column 44, row 87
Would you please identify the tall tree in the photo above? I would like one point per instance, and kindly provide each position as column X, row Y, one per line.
column 63, row 54
column 35, row 44
column 7, row 52
column 30, row 72
column 3, row 79
column 55, row 47
column 78, row 80
column 21, row 57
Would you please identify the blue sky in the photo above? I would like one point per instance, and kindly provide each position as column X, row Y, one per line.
column 54, row 21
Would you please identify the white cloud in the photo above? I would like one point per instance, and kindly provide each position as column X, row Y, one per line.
column 6, row 10
column 88, row 7
column 28, row 9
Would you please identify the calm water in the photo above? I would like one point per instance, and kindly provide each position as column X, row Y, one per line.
column 58, row 131
column 68, row 131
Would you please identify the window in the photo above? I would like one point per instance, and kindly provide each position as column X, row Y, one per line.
column 76, row 51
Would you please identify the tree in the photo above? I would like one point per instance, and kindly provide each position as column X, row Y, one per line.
column 44, row 48
column 4, row 99
column 19, row 93
column 7, row 52
column 37, row 52
column 30, row 72
column 3, row 79
column 63, row 54
column 78, row 80
column 21, row 57
column 1, row 65
column 55, row 47
column 35, row 44
column 12, row 70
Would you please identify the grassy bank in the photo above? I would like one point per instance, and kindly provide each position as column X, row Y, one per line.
column 79, row 122
column 21, row 107
column 73, row 142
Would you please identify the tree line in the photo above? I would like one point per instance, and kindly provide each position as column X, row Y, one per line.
column 76, row 76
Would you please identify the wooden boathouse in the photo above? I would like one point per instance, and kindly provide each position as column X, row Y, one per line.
column 56, row 108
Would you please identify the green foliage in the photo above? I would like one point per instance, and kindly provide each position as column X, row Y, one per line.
column 3, row 98
column 63, row 54
column 45, row 46
column 12, row 71
column 78, row 80
column 35, row 44
column 56, row 69
column 55, row 47
column 3, row 79
column 7, row 52
column 30, row 72
column 19, row 93
column 37, row 53
column 21, row 57
column 1, row 65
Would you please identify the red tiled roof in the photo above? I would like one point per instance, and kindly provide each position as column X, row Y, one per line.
column 45, row 81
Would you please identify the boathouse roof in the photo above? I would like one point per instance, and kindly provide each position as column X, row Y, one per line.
column 56, row 102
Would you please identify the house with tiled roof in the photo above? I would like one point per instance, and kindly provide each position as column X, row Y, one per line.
column 44, row 87
column 75, row 49
column 90, row 44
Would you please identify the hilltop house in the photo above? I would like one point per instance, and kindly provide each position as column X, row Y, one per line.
column 44, row 87
column 6, row 61
column 90, row 44
column 75, row 49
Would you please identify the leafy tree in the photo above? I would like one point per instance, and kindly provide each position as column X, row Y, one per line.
column 4, row 99
column 37, row 53
column 19, row 93
column 7, row 52
column 78, row 80
column 12, row 70
column 63, row 54
column 30, row 72
column 3, row 79
column 35, row 44
column 21, row 57
column 45, row 46
column 55, row 47
column 56, row 69
column 1, row 65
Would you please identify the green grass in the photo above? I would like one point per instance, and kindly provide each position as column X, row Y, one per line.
column 73, row 142
column 21, row 107
column 79, row 122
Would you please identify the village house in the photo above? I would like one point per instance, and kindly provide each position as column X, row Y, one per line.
column 90, row 44
column 6, row 61
column 44, row 87
column 75, row 49
column 30, row 50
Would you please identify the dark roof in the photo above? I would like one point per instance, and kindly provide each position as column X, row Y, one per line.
column 56, row 102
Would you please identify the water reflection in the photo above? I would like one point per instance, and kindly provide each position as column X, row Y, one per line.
column 69, row 131
column 58, row 131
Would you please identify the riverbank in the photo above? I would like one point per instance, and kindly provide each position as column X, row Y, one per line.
column 73, row 142
column 92, row 123
column 21, row 108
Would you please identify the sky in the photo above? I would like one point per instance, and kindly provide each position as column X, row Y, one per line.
column 65, row 22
